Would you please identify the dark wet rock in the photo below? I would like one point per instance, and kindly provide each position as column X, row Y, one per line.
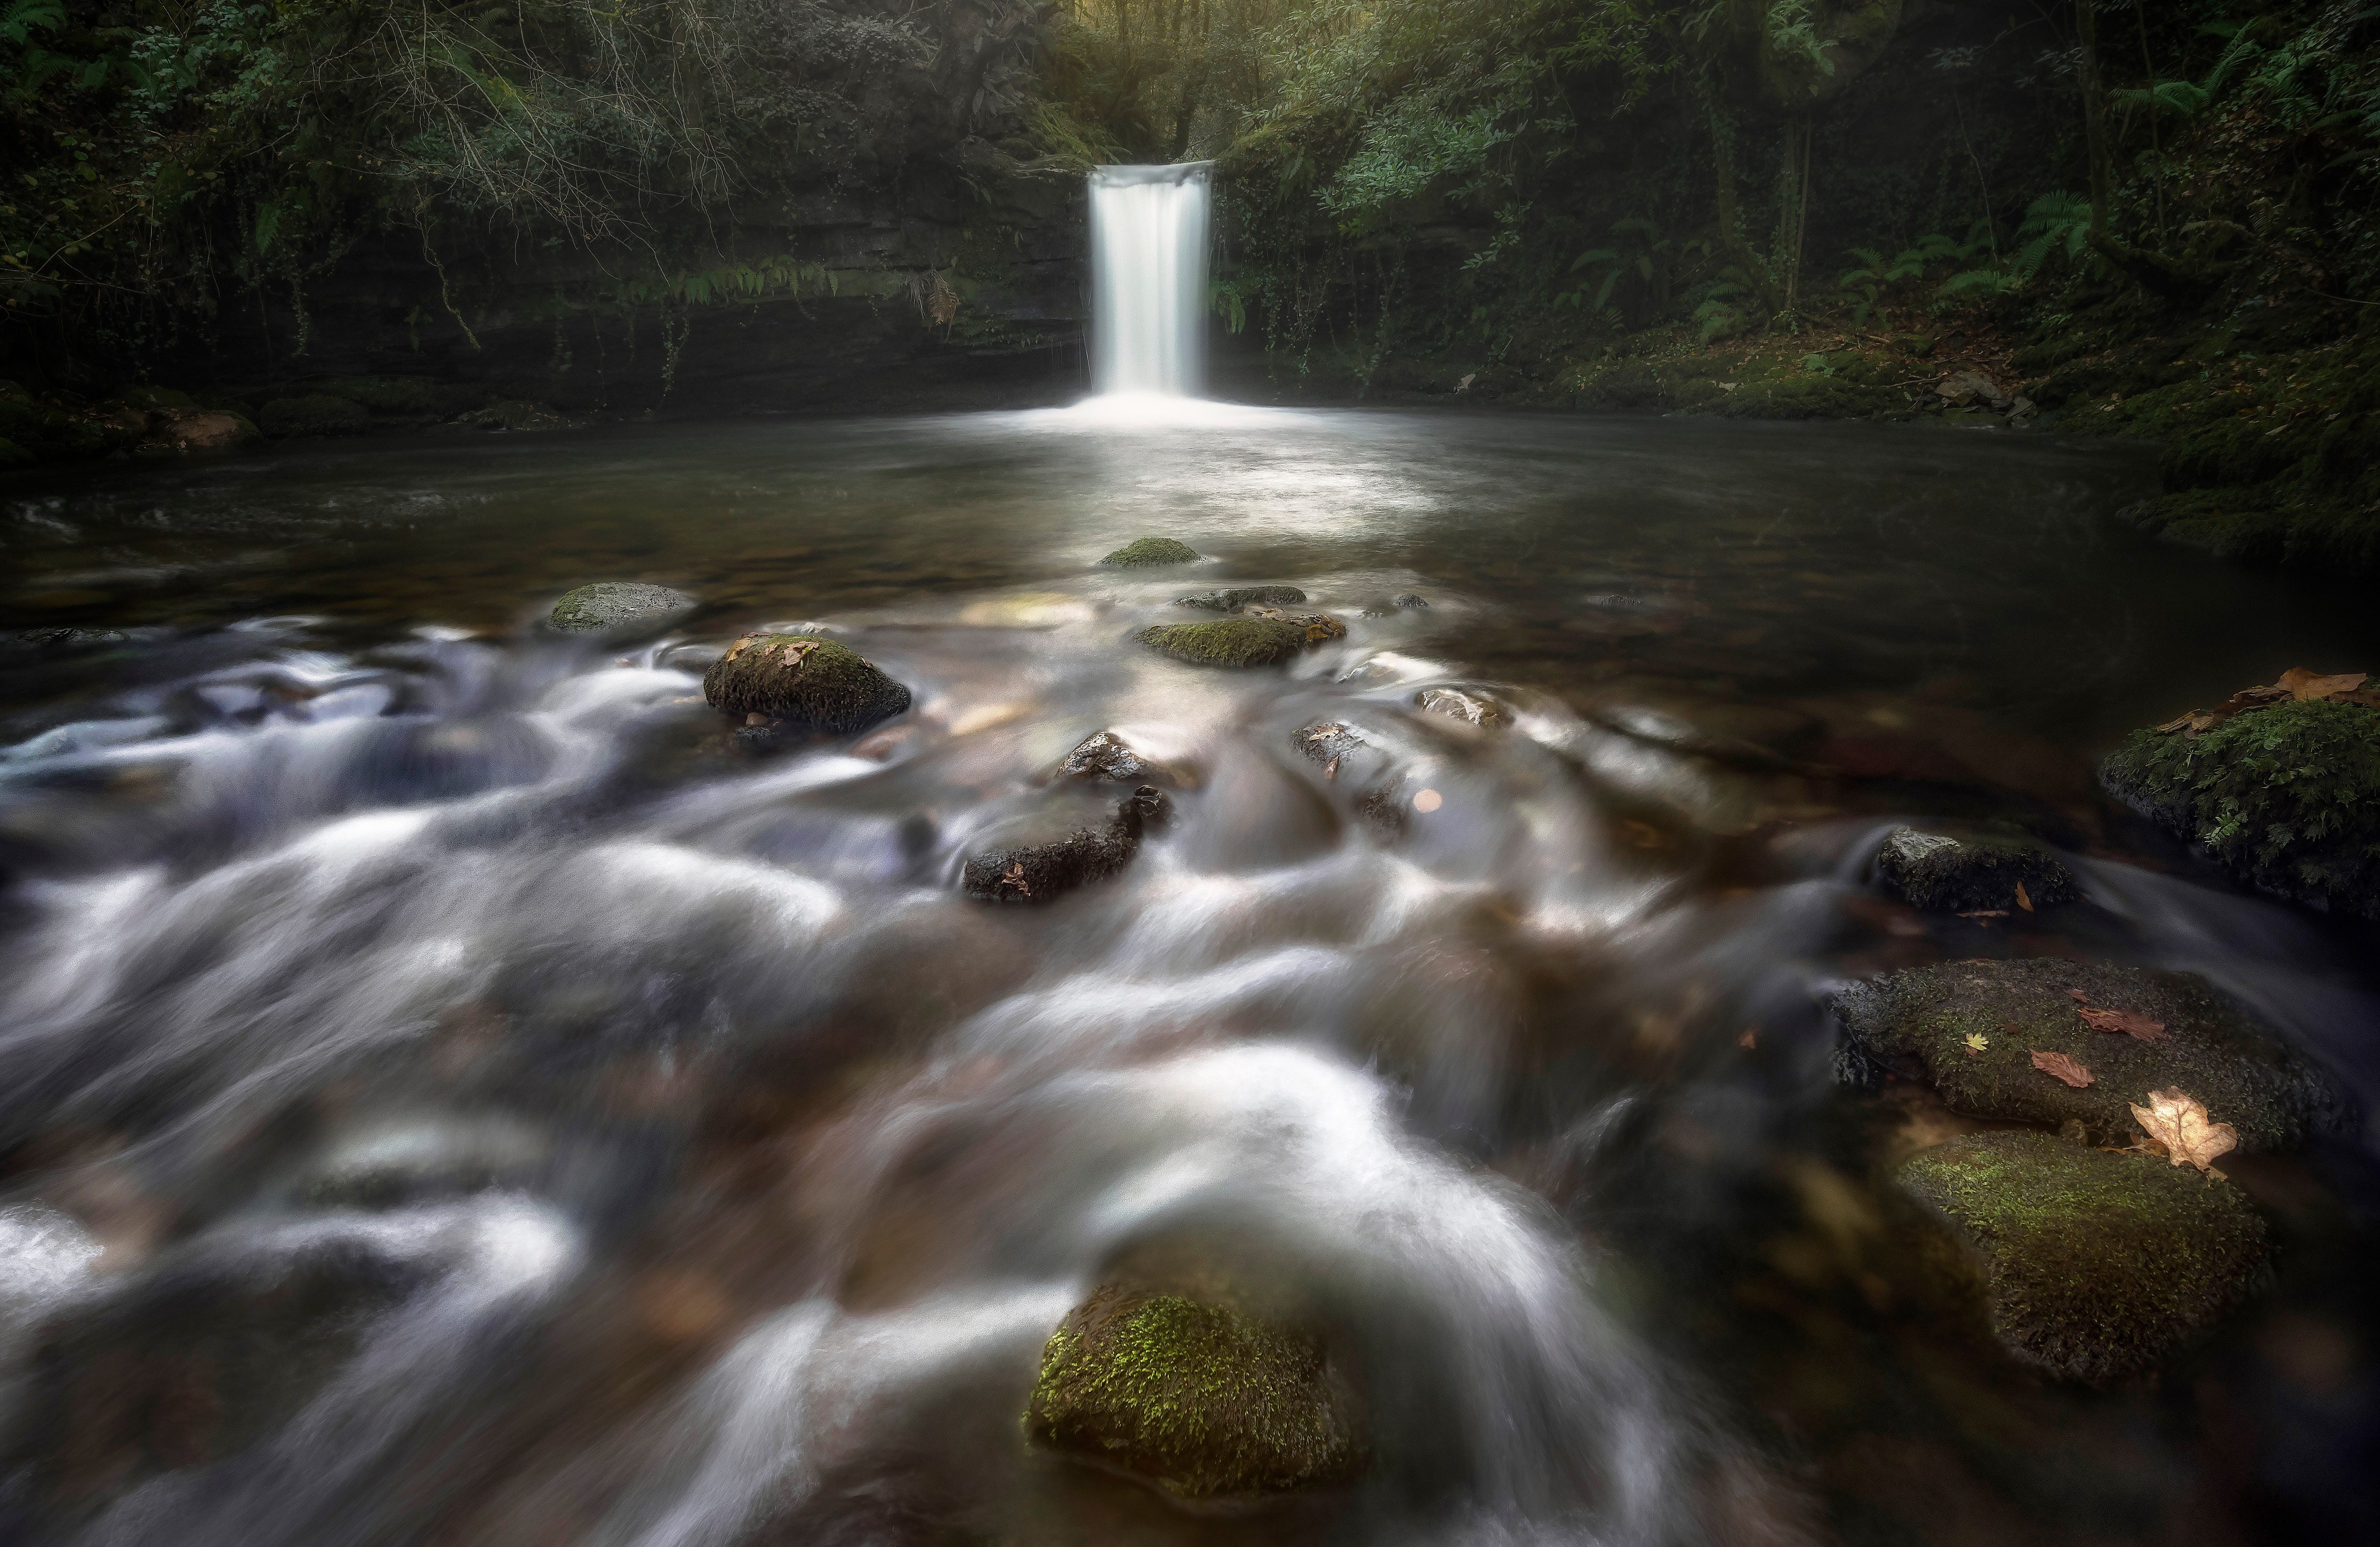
column 1354, row 762
column 1471, row 708
column 1239, row 642
column 1974, row 870
column 2091, row 1263
column 1104, row 755
column 1918, row 1023
column 1043, row 872
column 72, row 638
column 194, row 429
column 1412, row 601
column 2285, row 796
column 1152, row 549
column 1202, row 1402
column 810, row 684
column 317, row 413
column 1318, row 627
column 617, row 609
column 1233, row 600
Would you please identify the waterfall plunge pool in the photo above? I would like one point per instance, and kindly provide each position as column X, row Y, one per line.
column 450, row 1094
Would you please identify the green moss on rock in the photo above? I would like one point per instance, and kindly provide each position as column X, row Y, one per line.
column 317, row 413
column 1152, row 549
column 1233, row 600
column 1232, row 641
column 2093, row 1263
column 810, row 682
column 2286, row 797
column 1971, row 870
column 1917, row 1024
column 1199, row 1400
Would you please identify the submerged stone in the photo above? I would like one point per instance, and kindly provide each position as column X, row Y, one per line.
column 1105, row 755
column 1240, row 641
column 812, row 684
column 1152, row 549
column 1201, row 1401
column 2285, row 796
column 1411, row 602
column 615, row 608
column 1471, row 708
column 2091, row 1263
column 1044, row 872
column 1970, row 1028
column 1233, row 600
column 1972, row 871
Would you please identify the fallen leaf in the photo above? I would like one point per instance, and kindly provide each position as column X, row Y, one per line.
column 2062, row 1066
column 1976, row 1042
column 1750, row 1040
column 2078, row 997
column 2021, row 900
column 2182, row 1129
column 2125, row 1023
column 2304, row 685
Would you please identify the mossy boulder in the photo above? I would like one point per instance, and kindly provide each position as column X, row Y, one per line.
column 1240, row 642
column 316, row 413
column 1044, row 872
column 2286, row 797
column 616, row 609
column 1203, row 1402
column 1152, row 549
column 1918, row 1024
column 1231, row 600
column 2093, row 1263
column 1318, row 628
column 812, row 684
column 1972, row 871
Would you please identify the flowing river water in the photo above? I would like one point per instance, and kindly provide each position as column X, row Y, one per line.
column 452, row 1092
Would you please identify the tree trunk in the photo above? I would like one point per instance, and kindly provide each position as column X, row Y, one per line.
column 2095, row 122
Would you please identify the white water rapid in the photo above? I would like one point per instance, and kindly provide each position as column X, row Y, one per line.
column 1148, row 280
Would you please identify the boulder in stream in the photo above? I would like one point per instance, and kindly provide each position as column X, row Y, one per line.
column 2091, row 1263
column 1106, row 756
column 2283, row 789
column 1043, row 872
column 1238, row 642
column 1152, row 551
column 618, row 609
column 812, row 684
column 1231, row 600
column 1970, row 1030
column 1203, row 1402
column 1974, row 870
column 1318, row 627
column 1471, row 708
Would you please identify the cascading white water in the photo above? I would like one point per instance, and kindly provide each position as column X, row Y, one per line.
column 1148, row 279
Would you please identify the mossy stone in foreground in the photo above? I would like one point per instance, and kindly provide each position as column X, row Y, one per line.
column 2093, row 1263
column 811, row 683
column 1199, row 1400
column 1232, row 641
column 1152, row 549
column 618, row 607
column 2286, row 797
column 1946, row 873
column 1918, row 1023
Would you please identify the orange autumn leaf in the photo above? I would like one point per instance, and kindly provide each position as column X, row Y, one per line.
column 2124, row 1023
column 2062, row 1066
column 2304, row 685
column 2182, row 1129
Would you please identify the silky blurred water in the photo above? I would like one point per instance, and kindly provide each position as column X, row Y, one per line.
column 452, row 1091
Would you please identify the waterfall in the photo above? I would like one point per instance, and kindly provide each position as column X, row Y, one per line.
column 1148, row 279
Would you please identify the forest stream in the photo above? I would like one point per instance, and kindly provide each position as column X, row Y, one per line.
column 457, row 1087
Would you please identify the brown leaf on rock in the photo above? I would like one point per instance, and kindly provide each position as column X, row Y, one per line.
column 2063, row 1067
column 2303, row 685
column 2125, row 1023
column 1750, row 1040
column 2078, row 997
column 2183, row 1129
column 2022, row 901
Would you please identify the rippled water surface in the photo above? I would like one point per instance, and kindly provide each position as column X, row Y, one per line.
column 452, row 1091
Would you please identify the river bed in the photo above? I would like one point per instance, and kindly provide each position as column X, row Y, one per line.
column 452, row 1091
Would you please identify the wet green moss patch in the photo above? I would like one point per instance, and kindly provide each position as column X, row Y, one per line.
column 1238, row 642
column 1970, row 1028
column 2093, row 1263
column 1202, row 1401
column 2286, row 797
column 812, row 684
column 1152, row 551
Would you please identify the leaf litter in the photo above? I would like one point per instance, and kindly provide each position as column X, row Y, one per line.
column 2180, row 1127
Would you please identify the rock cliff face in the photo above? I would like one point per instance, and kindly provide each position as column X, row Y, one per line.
column 912, row 249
